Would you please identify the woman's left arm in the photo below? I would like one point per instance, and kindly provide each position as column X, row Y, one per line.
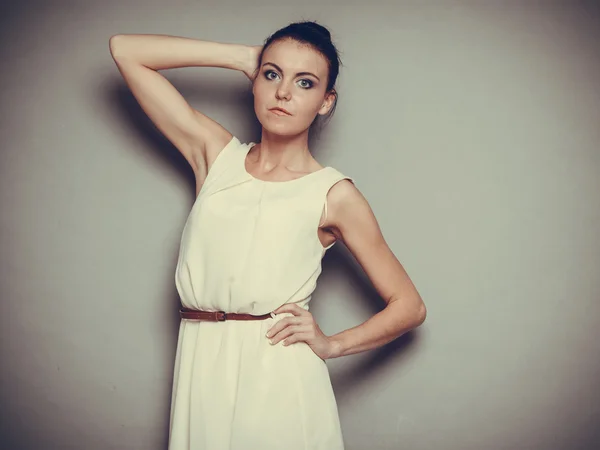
column 353, row 222
column 351, row 219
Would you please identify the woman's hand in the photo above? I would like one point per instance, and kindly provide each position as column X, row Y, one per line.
column 300, row 328
column 252, row 63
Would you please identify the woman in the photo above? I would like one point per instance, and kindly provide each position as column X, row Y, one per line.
column 250, row 369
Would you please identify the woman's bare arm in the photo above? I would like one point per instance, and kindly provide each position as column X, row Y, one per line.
column 139, row 57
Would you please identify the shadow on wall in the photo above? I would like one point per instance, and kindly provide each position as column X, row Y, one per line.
column 124, row 107
column 339, row 262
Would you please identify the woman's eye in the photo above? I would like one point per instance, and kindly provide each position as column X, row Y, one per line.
column 307, row 83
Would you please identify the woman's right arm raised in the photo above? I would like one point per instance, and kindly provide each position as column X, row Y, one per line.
column 140, row 56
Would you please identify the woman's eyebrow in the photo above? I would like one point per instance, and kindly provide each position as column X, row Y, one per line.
column 298, row 74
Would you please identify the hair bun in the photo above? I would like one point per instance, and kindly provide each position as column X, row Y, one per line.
column 314, row 26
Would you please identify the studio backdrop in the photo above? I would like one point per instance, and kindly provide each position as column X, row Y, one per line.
column 472, row 128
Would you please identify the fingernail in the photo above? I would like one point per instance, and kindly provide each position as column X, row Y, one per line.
column 270, row 342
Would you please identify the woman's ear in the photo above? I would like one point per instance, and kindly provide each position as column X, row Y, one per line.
column 328, row 102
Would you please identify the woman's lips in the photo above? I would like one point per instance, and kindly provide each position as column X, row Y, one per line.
column 279, row 112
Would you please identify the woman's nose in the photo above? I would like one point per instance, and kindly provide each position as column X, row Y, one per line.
column 283, row 92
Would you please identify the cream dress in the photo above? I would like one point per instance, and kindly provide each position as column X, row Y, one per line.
column 249, row 246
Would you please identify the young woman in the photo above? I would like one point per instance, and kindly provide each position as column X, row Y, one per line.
column 250, row 369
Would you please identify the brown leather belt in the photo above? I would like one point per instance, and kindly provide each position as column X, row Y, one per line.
column 217, row 316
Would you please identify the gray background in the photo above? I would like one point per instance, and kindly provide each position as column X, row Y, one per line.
column 471, row 127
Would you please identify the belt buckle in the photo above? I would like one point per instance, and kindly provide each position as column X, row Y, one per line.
column 221, row 316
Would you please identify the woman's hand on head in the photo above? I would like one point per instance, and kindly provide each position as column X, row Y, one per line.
column 252, row 63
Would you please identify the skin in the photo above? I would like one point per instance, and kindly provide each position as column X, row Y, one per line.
column 284, row 151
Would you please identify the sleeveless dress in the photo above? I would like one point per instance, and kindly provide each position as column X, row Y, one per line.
column 249, row 246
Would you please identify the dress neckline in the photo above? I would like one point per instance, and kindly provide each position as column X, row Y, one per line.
column 248, row 174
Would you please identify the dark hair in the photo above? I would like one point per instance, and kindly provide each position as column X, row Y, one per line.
column 319, row 38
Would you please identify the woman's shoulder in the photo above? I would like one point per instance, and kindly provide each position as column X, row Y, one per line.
column 219, row 141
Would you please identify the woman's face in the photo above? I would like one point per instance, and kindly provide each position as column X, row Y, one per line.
column 293, row 76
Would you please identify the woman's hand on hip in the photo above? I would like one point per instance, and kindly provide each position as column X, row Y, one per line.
column 300, row 328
